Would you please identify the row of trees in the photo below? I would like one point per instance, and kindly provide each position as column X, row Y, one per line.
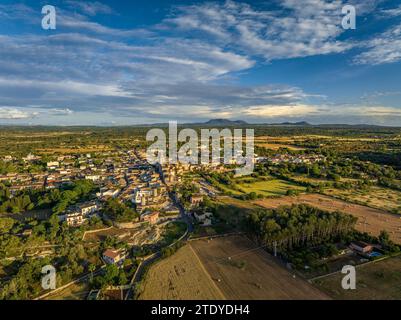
column 297, row 225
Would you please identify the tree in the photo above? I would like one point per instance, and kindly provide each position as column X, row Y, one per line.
column 53, row 226
column 6, row 224
column 91, row 269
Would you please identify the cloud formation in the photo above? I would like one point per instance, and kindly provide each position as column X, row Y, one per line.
column 188, row 66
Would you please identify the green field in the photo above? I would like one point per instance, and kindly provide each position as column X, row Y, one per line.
column 268, row 188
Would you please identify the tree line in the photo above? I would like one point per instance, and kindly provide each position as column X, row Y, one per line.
column 299, row 225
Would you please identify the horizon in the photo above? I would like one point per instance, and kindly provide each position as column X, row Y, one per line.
column 115, row 64
column 139, row 125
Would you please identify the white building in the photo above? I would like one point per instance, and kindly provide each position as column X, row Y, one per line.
column 204, row 219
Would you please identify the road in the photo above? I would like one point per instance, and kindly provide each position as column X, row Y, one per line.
column 149, row 260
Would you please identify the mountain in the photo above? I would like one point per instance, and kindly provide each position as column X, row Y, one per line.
column 300, row 123
column 224, row 122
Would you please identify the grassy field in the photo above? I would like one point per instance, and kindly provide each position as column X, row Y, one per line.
column 376, row 197
column 76, row 291
column 268, row 188
column 276, row 146
column 180, row 277
column 243, row 271
column 369, row 219
column 87, row 149
column 374, row 281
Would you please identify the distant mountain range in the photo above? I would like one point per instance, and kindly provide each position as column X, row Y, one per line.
column 227, row 122
column 220, row 123
column 224, row 122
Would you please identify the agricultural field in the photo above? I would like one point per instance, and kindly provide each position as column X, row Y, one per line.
column 180, row 277
column 277, row 146
column 276, row 143
column 268, row 188
column 243, row 271
column 66, row 150
column 379, row 280
column 376, row 197
column 369, row 219
column 316, row 181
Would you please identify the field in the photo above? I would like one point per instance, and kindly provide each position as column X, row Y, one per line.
column 369, row 219
column 179, row 277
column 377, row 197
column 374, row 281
column 87, row 149
column 233, row 210
column 76, row 291
column 274, row 187
column 276, row 146
column 243, row 271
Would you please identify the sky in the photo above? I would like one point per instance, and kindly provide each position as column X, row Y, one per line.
column 119, row 62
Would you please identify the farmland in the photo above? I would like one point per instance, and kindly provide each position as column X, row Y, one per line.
column 376, row 197
column 276, row 146
column 374, row 281
column 273, row 187
column 243, row 271
column 266, row 186
column 369, row 219
column 224, row 268
column 181, row 276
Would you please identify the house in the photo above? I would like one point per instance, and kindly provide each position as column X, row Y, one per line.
column 93, row 177
column 151, row 217
column 204, row 219
column 74, row 219
column 361, row 247
column 108, row 193
column 111, row 256
column 88, row 207
column 196, row 199
column 53, row 164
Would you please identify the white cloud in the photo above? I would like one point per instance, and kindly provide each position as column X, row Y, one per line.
column 15, row 113
column 307, row 27
column 60, row 112
column 384, row 48
column 290, row 111
column 395, row 12
column 90, row 8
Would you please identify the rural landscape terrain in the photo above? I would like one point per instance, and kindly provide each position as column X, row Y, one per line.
column 232, row 152
column 86, row 201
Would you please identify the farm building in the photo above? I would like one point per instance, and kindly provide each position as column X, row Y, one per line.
column 361, row 247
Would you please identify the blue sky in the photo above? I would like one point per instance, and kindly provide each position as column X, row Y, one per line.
column 130, row 62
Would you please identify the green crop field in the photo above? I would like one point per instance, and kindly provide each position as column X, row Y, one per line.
column 274, row 187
